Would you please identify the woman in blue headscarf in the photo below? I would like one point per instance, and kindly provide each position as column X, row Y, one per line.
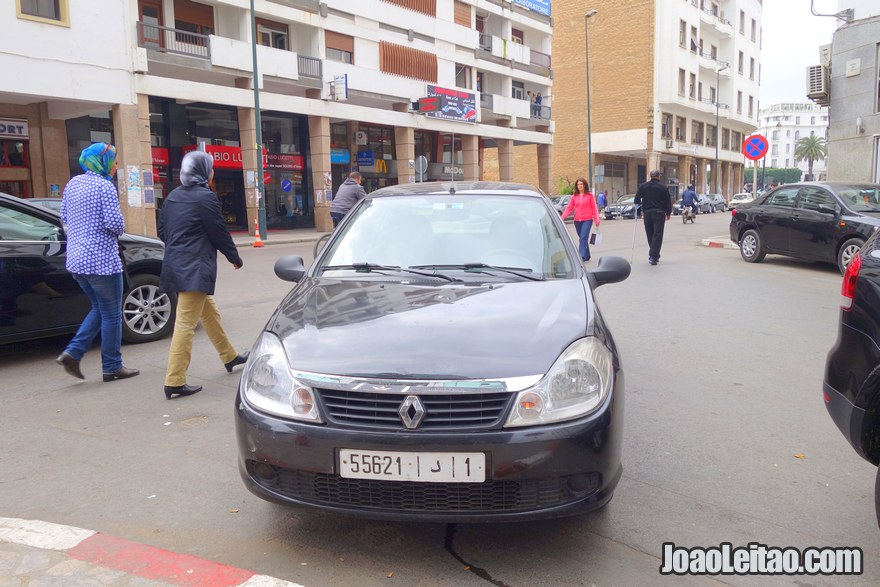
column 191, row 224
column 90, row 210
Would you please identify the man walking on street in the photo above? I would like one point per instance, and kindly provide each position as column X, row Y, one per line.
column 348, row 194
column 656, row 204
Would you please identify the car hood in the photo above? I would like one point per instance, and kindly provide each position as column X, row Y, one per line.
column 452, row 331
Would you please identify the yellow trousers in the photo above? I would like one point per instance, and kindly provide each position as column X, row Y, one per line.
column 192, row 307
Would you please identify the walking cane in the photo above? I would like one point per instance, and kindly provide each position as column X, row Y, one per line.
column 635, row 224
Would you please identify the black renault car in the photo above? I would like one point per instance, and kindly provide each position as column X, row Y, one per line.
column 851, row 385
column 443, row 359
column 39, row 298
column 812, row 221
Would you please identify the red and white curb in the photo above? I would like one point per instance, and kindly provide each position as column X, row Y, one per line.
column 130, row 557
column 719, row 242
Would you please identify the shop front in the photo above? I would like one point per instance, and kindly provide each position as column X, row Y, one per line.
column 15, row 165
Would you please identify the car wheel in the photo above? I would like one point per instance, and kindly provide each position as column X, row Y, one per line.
column 847, row 251
column 147, row 314
column 750, row 247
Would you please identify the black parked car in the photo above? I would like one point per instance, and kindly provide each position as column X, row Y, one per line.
column 852, row 370
column 814, row 221
column 39, row 298
column 456, row 369
column 624, row 207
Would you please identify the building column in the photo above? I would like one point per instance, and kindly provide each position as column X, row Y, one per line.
column 545, row 164
column 470, row 147
column 652, row 161
column 685, row 166
column 700, row 186
column 404, row 140
column 725, row 180
column 319, row 146
column 49, row 166
column 131, row 128
column 505, row 159
column 247, row 136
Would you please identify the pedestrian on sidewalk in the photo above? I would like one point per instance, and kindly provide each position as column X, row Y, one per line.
column 192, row 226
column 656, row 205
column 90, row 211
column 348, row 194
column 583, row 204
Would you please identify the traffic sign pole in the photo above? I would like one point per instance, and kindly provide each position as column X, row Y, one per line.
column 754, row 147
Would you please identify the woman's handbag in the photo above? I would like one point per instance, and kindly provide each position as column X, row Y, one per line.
column 596, row 238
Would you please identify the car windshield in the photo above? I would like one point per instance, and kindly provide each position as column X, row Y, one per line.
column 626, row 200
column 451, row 233
column 861, row 198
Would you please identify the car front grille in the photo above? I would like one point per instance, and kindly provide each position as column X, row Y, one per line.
column 443, row 411
column 489, row 496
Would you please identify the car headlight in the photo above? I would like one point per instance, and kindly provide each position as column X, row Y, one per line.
column 269, row 385
column 576, row 384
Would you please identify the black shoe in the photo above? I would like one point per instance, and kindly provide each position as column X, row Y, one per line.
column 171, row 390
column 238, row 360
column 70, row 365
column 652, row 261
column 123, row 373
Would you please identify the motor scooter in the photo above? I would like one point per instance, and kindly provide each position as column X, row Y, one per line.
column 687, row 213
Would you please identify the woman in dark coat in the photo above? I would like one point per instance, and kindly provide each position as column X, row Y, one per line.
column 191, row 224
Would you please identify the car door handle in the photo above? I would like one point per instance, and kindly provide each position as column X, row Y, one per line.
column 795, row 217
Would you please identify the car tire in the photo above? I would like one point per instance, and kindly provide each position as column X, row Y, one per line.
column 147, row 314
column 750, row 246
column 845, row 254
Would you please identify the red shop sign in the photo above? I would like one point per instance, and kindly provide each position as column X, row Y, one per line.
column 285, row 162
column 160, row 156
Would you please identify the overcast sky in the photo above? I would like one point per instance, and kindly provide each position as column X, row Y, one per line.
column 792, row 36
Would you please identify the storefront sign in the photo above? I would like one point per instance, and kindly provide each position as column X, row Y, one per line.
column 454, row 105
column 539, row 6
column 12, row 128
column 224, row 157
column 340, row 156
column 287, row 162
column 365, row 159
column 160, row 156
column 286, row 185
column 442, row 171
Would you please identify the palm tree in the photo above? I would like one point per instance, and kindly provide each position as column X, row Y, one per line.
column 810, row 148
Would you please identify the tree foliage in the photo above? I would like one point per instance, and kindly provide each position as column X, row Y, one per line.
column 810, row 149
column 779, row 175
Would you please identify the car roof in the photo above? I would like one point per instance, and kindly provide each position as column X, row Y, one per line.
column 471, row 188
column 26, row 202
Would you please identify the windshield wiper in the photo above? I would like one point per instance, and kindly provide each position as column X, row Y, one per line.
column 484, row 268
column 370, row 267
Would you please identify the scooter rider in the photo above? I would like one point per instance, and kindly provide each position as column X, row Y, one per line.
column 689, row 198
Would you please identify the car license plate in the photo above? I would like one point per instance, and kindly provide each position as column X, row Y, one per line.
column 425, row 467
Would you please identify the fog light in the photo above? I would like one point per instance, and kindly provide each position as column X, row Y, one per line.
column 265, row 473
column 582, row 483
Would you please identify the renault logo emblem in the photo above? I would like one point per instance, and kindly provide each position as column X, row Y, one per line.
column 412, row 412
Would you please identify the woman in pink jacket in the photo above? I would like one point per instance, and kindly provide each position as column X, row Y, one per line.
column 583, row 204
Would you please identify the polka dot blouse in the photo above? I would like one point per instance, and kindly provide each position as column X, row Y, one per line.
column 90, row 209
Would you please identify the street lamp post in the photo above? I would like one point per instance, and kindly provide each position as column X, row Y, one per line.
column 261, row 201
column 718, row 71
column 766, row 136
column 587, row 17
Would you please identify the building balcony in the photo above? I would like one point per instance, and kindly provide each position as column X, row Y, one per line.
column 219, row 60
column 523, row 57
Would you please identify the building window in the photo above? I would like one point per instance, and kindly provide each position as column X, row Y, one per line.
column 775, row 135
column 712, row 94
column 786, row 161
column 787, row 151
column 696, row 132
column 681, row 78
column 725, row 139
column 797, row 135
column 742, row 22
column 695, row 43
column 788, row 133
column 428, row 7
column 380, row 140
column 407, row 62
column 751, row 106
column 682, row 33
column 773, row 163
column 462, row 14
column 272, row 34
column 446, row 141
column 425, row 144
column 740, row 63
column 710, row 135
column 463, row 76
column 14, row 154
column 713, row 52
column 754, row 30
column 700, row 91
column 812, row 120
column 666, row 126
column 339, row 47
column 517, row 36
column 797, row 119
column 751, row 68
column 339, row 136
column 680, row 127
column 735, row 140
column 192, row 17
column 54, row 11
column 739, row 102
column 480, row 23
column 692, row 89
column 517, row 91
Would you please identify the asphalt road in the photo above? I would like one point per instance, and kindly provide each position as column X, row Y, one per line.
column 727, row 440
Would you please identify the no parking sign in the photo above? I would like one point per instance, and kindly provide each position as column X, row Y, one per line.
column 754, row 147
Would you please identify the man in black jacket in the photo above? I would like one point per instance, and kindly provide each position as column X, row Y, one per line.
column 191, row 224
column 656, row 204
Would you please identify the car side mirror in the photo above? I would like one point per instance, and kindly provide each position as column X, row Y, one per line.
column 290, row 268
column 609, row 270
column 826, row 209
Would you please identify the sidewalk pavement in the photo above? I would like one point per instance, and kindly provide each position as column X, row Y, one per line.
column 42, row 553
column 279, row 237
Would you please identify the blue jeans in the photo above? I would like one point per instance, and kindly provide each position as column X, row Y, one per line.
column 105, row 294
column 583, row 229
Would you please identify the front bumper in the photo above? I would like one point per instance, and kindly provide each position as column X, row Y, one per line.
column 540, row 472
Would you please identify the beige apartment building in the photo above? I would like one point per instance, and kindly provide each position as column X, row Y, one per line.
column 673, row 86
